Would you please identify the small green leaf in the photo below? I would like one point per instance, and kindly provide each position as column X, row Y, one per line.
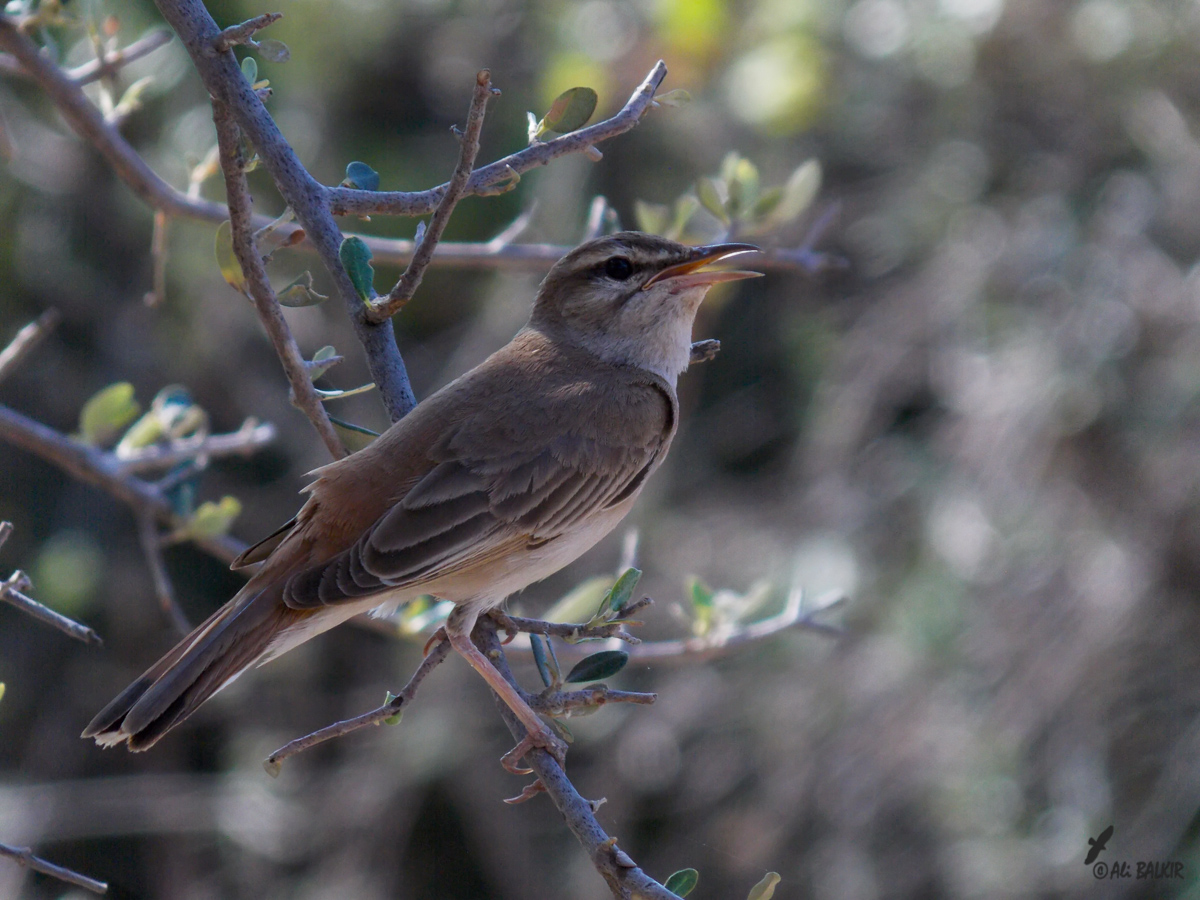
column 685, row 206
column 678, row 97
column 765, row 889
column 598, row 666
column 798, row 194
column 729, row 166
column 356, row 257
column 570, row 110
column 683, row 882
column 1, row 690
column 131, row 100
column 353, row 437
column 326, row 353
column 766, row 203
column 360, row 175
column 250, row 69
column 562, row 730
column 392, row 720
column 651, row 218
column 578, row 604
column 273, row 51
column 743, row 188
column 211, row 520
column 623, row 589
column 107, row 413
column 710, row 198
column 701, row 596
column 226, row 260
column 539, row 658
column 300, row 292
column 172, row 415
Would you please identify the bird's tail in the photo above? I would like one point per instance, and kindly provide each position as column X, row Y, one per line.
column 216, row 652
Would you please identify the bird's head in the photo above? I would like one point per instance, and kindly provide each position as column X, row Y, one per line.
column 630, row 298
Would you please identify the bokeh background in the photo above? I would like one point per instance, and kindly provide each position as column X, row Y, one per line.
column 985, row 429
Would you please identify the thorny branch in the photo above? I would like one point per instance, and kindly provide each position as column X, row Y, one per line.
column 265, row 303
column 24, row 856
column 624, row 878
column 243, row 33
column 399, row 296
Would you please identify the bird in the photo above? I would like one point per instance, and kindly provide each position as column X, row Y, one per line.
column 494, row 482
column 1097, row 845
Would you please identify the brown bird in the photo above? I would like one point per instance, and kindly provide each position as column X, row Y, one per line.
column 499, row 479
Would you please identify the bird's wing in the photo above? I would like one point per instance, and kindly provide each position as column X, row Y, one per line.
column 482, row 500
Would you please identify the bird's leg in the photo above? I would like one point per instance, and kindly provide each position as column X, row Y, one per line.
column 458, row 631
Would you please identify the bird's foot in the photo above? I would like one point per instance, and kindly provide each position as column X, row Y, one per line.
column 436, row 638
column 505, row 624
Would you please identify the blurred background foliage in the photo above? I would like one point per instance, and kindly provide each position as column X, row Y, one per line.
column 985, row 429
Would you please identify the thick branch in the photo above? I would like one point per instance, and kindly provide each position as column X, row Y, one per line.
column 307, row 198
column 269, row 312
column 25, row 341
column 399, row 296
column 346, row 201
column 624, row 878
column 24, row 856
column 103, row 470
column 393, row 707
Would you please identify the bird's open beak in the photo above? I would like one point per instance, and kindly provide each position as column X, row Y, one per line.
column 692, row 272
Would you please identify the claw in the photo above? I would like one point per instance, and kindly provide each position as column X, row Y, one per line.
column 436, row 638
column 506, row 625
column 543, row 740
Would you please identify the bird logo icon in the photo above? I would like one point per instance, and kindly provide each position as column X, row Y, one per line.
column 1097, row 845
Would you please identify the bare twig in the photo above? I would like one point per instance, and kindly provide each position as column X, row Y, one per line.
column 152, row 548
column 392, row 708
column 348, row 201
column 96, row 69
column 269, row 312
column 624, row 878
column 243, row 442
column 558, row 703
column 244, row 32
column 595, row 220
column 104, row 470
column 573, row 632
column 399, row 296
column 12, row 591
column 158, row 259
column 26, row 339
column 23, row 856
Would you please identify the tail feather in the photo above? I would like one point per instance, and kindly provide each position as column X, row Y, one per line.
column 211, row 656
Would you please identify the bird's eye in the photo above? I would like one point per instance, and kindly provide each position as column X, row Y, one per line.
column 619, row 268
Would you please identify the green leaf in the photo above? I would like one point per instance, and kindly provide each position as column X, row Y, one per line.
column 685, row 206
column 273, row 51
column 578, row 604
column 743, row 188
column 131, row 100
column 765, row 889
column 392, row 720
column 172, row 415
column 360, row 175
column 1, row 690
column 300, row 292
column 316, row 370
column 570, row 110
column 356, row 257
column 729, row 166
column 798, row 194
column 338, row 394
column 107, row 413
column 651, row 217
column 211, row 520
column 623, row 589
column 226, row 260
column 539, row 658
column 598, row 666
column 678, row 97
column 766, row 203
column 353, row 437
column 250, row 69
column 683, row 882
column 701, row 596
column 709, row 196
